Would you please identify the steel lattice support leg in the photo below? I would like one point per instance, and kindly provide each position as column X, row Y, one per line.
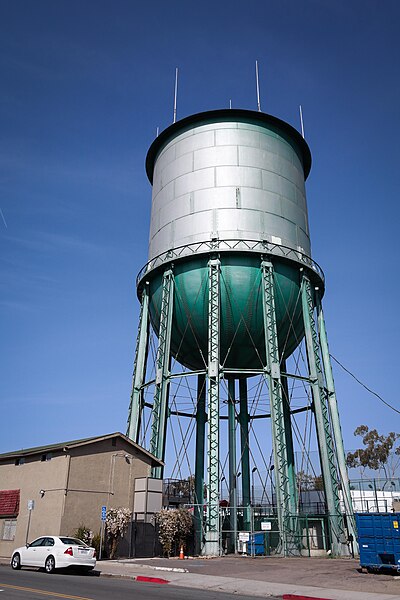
column 289, row 437
column 139, row 371
column 232, row 462
column 160, row 403
column 334, row 413
column 325, row 441
column 201, row 419
column 286, row 505
column 244, row 445
column 212, row 532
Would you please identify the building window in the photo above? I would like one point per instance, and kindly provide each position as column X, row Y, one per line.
column 8, row 528
column 46, row 457
column 20, row 461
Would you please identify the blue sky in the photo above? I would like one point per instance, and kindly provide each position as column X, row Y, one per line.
column 84, row 85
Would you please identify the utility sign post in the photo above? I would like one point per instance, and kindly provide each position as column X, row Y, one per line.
column 103, row 520
column 31, row 506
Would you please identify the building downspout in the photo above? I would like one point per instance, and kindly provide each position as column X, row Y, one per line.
column 68, row 457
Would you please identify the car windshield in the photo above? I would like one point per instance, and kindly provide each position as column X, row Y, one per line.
column 72, row 541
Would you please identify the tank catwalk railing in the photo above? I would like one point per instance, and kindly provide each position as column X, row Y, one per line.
column 231, row 246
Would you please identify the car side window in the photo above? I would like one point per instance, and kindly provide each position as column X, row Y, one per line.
column 38, row 542
column 49, row 542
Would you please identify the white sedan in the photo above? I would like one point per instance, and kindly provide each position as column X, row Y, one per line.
column 55, row 552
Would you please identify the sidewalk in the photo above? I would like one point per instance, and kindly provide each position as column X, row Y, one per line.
column 320, row 578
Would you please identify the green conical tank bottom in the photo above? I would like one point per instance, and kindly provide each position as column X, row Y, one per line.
column 242, row 330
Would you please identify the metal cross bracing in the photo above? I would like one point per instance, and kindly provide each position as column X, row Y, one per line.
column 286, row 502
column 212, row 530
column 321, row 411
column 176, row 380
column 139, row 370
column 160, row 403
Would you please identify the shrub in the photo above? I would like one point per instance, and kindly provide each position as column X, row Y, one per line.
column 117, row 521
column 85, row 534
column 174, row 528
column 96, row 543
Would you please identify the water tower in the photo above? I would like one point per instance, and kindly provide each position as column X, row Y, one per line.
column 230, row 291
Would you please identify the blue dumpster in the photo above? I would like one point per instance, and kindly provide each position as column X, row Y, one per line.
column 257, row 544
column 379, row 540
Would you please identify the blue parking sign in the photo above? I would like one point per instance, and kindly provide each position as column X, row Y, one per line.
column 103, row 513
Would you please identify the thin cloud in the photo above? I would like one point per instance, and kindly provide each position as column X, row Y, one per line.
column 116, row 174
column 17, row 306
column 45, row 242
column 4, row 221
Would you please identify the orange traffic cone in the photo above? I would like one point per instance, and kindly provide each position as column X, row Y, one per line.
column 181, row 554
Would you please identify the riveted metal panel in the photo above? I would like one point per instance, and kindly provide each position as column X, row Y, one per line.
column 271, row 143
column 180, row 166
column 271, row 182
column 238, row 176
column 164, row 195
column 230, row 137
column 261, row 200
column 202, row 221
column 303, row 241
column 179, row 207
column 212, row 157
column 197, row 180
column 301, row 199
column 215, row 198
column 255, row 157
column 286, row 229
column 198, row 139
column 168, row 154
column 292, row 212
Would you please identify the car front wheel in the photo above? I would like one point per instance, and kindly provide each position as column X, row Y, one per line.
column 16, row 562
column 50, row 564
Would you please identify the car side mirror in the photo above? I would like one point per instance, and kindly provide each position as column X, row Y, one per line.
column 27, row 545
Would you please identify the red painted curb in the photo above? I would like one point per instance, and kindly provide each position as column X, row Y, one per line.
column 296, row 597
column 151, row 579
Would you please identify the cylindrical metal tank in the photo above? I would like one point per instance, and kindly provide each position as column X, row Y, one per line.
column 232, row 182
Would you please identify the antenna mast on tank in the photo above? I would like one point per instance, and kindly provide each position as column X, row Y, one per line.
column 258, row 88
column 175, row 92
column 301, row 121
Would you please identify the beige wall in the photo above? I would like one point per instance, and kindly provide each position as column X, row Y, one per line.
column 105, row 478
column 76, row 486
column 30, row 478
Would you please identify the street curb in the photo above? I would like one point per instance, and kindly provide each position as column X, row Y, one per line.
column 296, row 597
column 171, row 569
column 151, row 579
column 155, row 568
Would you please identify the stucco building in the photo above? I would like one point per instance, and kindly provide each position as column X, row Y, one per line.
column 54, row 489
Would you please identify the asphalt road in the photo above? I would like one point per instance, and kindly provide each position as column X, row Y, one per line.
column 29, row 584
